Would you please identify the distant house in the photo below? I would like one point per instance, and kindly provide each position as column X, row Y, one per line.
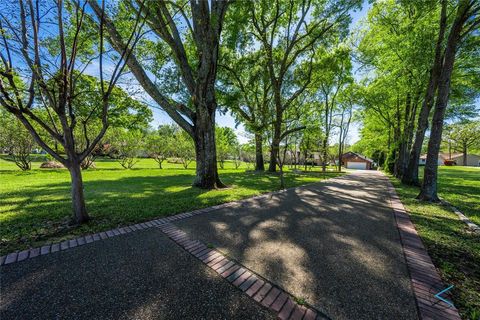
column 313, row 157
column 473, row 160
column 441, row 159
column 352, row 160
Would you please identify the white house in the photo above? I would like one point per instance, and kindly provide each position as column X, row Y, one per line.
column 473, row 160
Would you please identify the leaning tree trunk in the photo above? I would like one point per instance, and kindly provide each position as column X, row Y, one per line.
column 259, row 163
column 429, row 186
column 205, row 150
column 80, row 214
column 410, row 175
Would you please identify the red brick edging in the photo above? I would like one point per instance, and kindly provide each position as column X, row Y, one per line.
column 424, row 277
column 251, row 284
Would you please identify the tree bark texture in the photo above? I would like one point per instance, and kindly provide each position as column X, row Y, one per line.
column 259, row 163
column 78, row 199
column 205, row 146
column 275, row 147
column 429, row 186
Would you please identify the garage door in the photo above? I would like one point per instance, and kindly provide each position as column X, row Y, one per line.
column 357, row 165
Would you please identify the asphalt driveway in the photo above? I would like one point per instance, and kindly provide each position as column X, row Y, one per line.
column 141, row 275
column 334, row 244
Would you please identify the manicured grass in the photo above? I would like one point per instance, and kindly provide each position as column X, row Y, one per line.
column 455, row 250
column 461, row 187
column 35, row 205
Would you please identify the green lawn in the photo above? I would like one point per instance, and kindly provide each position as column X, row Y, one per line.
column 454, row 249
column 35, row 205
column 461, row 187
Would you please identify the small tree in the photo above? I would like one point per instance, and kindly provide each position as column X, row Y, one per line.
column 127, row 146
column 309, row 142
column 248, row 154
column 237, row 156
column 44, row 46
column 227, row 143
column 160, row 143
column 16, row 140
column 89, row 161
column 184, row 148
column 124, row 112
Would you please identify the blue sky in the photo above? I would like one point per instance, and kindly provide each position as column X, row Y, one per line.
column 226, row 120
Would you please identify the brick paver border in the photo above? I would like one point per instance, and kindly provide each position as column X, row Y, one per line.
column 256, row 287
column 424, row 277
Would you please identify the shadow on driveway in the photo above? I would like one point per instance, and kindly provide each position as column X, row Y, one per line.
column 335, row 244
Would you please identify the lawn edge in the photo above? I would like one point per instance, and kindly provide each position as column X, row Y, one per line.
column 18, row 256
column 473, row 227
column 423, row 274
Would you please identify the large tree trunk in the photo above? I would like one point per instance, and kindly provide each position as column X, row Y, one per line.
column 272, row 166
column 205, row 151
column 429, row 186
column 464, row 149
column 410, row 175
column 275, row 147
column 277, row 125
column 406, row 137
column 259, row 163
column 340, row 152
column 78, row 200
column 397, row 136
column 324, row 153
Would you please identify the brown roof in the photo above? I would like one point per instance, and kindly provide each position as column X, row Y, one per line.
column 350, row 153
column 443, row 155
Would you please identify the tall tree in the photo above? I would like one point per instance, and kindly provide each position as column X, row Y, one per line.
column 397, row 49
column 186, row 42
column 48, row 105
column 466, row 20
column 288, row 32
column 245, row 90
column 344, row 119
column 327, row 84
column 410, row 175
